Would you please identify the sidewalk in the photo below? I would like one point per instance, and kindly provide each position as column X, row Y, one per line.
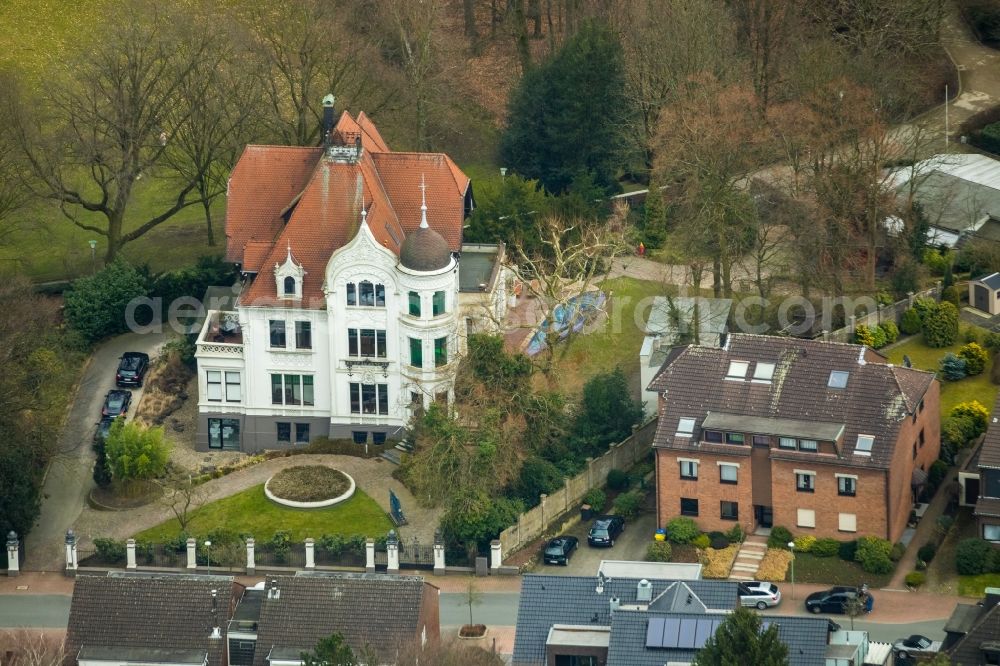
column 891, row 606
column 926, row 531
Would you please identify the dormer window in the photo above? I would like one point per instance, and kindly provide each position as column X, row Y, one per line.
column 737, row 370
column 288, row 277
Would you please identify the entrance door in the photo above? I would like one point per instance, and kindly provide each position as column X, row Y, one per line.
column 971, row 491
column 763, row 515
column 981, row 298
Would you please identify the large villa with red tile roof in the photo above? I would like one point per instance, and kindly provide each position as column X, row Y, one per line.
column 357, row 293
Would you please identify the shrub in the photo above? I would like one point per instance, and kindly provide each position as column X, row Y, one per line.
column 659, row 551
column 804, row 543
column 682, row 529
column 957, row 431
column 872, row 548
column 718, row 563
column 936, row 262
column 111, row 551
column 720, row 542
column 537, row 476
column 975, row 358
column 596, row 498
column 897, row 552
column 953, row 368
column 95, row 306
column 950, row 295
column 909, row 323
column 992, row 342
column 988, row 138
column 975, row 411
column 995, row 370
column 916, row 578
column 879, row 338
column 102, row 475
column 475, row 517
column 927, row 552
column 891, row 331
column 971, row 334
column 280, row 545
column 779, row 538
column 972, row 557
column 847, row 550
column 864, row 335
column 618, row 479
column 943, row 525
column 774, row 565
column 825, row 547
column 701, row 541
column 628, row 504
column 134, row 452
column 940, row 325
column 736, row 534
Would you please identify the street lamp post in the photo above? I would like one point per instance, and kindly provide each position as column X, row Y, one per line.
column 208, row 555
column 93, row 256
column 791, row 547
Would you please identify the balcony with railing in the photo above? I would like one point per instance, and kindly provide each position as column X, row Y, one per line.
column 221, row 335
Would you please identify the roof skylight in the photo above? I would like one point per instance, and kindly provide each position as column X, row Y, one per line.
column 864, row 445
column 838, row 379
column 763, row 372
column 737, row 370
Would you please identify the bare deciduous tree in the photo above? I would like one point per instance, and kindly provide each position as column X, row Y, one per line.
column 182, row 496
column 32, row 647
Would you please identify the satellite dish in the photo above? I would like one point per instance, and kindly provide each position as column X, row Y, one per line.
column 906, row 361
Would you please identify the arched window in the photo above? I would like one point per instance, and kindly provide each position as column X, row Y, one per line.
column 289, row 286
column 366, row 294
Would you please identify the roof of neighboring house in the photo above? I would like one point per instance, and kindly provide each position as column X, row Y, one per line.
column 135, row 617
column 806, row 638
column 284, row 198
column 673, row 318
column 380, row 610
column 480, row 266
column 980, row 623
column 957, row 191
column 992, row 281
column 574, row 600
column 989, row 452
column 876, row 398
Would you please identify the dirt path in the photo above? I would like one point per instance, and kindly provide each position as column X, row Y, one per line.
column 372, row 475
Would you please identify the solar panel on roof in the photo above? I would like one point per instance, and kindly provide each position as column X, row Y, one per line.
column 685, row 638
column 671, row 627
column 654, row 633
column 703, row 632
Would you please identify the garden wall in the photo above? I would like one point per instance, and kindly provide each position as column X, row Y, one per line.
column 882, row 314
column 534, row 523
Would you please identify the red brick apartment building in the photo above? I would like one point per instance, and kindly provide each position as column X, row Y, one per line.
column 822, row 438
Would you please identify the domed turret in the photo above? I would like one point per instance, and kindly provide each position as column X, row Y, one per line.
column 424, row 249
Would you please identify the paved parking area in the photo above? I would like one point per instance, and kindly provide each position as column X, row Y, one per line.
column 631, row 545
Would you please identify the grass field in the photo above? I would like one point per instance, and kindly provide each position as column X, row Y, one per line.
column 978, row 387
column 974, row 586
column 251, row 512
column 835, row 571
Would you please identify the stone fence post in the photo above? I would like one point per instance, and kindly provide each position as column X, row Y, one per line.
column 392, row 552
column 251, row 563
column 130, row 554
column 310, row 554
column 496, row 555
column 545, row 523
column 71, row 562
column 439, row 563
column 13, row 554
column 192, row 562
column 370, row 555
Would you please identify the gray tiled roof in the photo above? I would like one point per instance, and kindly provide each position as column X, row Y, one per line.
column 982, row 625
column 877, row 398
column 548, row 600
column 381, row 610
column 992, row 280
column 806, row 638
column 989, row 453
column 167, row 612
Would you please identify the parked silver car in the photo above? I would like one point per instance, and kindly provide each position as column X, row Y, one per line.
column 759, row 594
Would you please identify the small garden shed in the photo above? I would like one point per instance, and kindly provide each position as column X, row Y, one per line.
column 984, row 293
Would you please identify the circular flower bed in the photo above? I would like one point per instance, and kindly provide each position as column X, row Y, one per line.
column 309, row 487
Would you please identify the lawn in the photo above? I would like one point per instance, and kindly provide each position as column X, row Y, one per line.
column 834, row 571
column 974, row 586
column 250, row 512
column 978, row 387
column 617, row 342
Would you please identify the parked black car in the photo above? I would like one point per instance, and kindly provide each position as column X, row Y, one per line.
column 834, row 600
column 559, row 550
column 605, row 530
column 103, row 428
column 116, row 403
column 132, row 368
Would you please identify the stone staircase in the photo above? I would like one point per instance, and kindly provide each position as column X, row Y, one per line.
column 395, row 455
column 748, row 558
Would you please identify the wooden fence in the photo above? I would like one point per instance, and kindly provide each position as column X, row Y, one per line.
column 534, row 523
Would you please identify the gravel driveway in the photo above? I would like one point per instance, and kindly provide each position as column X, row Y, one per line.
column 69, row 478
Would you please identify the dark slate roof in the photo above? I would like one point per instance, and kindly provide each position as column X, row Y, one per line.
column 380, row 610
column 138, row 612
column 982, row 626
column 877, row 398
column 989, row 452
column 992, row 281
column 549, row 600
column 806, row 638
column 424, row 250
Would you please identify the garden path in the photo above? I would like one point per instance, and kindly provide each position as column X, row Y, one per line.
column 372, row 475
column 926, row 531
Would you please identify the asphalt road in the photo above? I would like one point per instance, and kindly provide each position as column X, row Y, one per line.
column 42, row 611
column 69, row 478
column 631, row 545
